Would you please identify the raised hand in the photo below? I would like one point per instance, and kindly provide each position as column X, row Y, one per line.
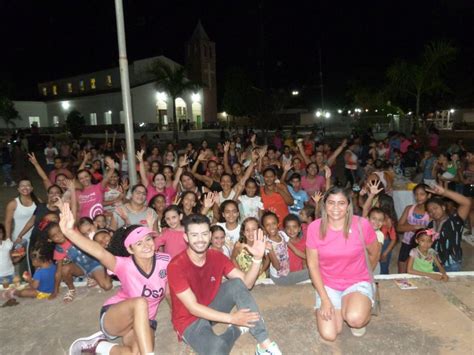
column 139, row 155
column 226, row 146
column 121, row 213
column 109, row 162
column 317, row 196
column 183, row 161
column 150, row 219
column 436, row 189
column 202, row 156
column 374, row 188
column 66, row 218
column 32, row 159
column 259, row 244
column 287, row 165
column 209, row 199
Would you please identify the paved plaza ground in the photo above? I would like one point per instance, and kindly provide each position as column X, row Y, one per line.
column 436, row 318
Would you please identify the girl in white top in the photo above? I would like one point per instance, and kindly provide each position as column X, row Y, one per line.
column 19, row 211
column 6, row 265
column 251, row 204
column 230, row 213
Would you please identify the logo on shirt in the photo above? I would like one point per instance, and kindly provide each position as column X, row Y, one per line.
column 147, row 292
column 162, row 273
column 213, row 279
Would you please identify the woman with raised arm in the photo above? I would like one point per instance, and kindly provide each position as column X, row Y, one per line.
column 449, row 228
column 131, row 313
column 338, row 266
column 158, row 185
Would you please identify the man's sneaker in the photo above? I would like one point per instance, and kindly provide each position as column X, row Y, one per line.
column 86, row 345
column 272, row 349
column 358, row 332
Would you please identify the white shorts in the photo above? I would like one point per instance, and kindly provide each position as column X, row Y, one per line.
column 336, row 296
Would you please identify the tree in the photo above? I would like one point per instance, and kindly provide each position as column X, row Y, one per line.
column 8, row 113
column 425, row 77
column 174, row 83
column 75, row 122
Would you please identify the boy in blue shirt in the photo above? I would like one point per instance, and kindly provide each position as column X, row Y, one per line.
column 41, row 285
column 299, row 195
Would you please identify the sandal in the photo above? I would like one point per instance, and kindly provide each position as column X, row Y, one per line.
column 11, row 302
column 69, row 296
column 91, row 282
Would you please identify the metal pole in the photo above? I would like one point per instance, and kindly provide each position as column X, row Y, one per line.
column 126, row 99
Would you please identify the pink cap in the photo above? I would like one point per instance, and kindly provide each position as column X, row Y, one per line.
column 137, row 234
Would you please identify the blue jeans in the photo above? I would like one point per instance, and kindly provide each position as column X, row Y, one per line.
column 7, row 173
column 453, row 267
column 385, row 264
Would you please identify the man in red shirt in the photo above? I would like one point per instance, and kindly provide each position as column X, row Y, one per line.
column 199, row 300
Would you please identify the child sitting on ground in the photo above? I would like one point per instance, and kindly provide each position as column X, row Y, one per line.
column 241, row 257
column 41, row 286
column 423, row 258
column 296, row 240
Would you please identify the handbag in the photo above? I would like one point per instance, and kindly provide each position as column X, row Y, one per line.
column 376, row 307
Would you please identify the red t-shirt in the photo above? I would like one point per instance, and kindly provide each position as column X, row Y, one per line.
column 204, row 281
column 296, row 263
column 274, row 202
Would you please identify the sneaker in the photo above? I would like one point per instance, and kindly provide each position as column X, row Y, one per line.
column 272, row 349
column 358, row 332
column 242, row 329
column 86, row 345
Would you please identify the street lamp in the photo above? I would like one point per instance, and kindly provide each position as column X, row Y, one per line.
column 65, row 105
column 161, row 96
column 295, row 93
column 196, row 97
column 339, row 111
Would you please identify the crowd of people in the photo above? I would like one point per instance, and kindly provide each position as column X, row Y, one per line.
column 296, row 209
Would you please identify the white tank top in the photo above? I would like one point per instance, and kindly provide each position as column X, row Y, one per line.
column 22, row 215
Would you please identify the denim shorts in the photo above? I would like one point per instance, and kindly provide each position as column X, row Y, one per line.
column 336, row 296
column 153, row 323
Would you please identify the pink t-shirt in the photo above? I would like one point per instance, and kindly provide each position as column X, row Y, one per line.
column 135, row 283
column 172, row 240
column 169, row 194
column 90, row 201
column 318, row 183
column 341, row 261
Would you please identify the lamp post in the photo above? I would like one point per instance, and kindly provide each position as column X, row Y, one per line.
column 126, row 98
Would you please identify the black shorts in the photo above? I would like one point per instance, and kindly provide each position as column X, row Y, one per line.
column 153, row 323
column 404, row 252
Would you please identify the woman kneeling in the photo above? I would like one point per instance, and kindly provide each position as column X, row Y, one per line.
column 338, row 268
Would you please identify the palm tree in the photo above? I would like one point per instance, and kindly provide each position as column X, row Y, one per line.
column 8, row 113
column 174, row 83
column 425, row 77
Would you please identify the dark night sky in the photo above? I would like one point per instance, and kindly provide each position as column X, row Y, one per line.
column 45, row 40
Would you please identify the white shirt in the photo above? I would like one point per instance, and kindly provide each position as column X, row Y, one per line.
column 231, row 236
column 6, row 265
column 250, row 206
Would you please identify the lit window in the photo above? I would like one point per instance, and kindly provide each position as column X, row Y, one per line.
column 81, row 85
column 69, row 87
column 55, row 90
column 109, row 80
column 45, row 91
column 92, row 83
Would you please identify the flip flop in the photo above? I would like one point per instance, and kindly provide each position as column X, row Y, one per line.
column 10, row 303
column 69, row 296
